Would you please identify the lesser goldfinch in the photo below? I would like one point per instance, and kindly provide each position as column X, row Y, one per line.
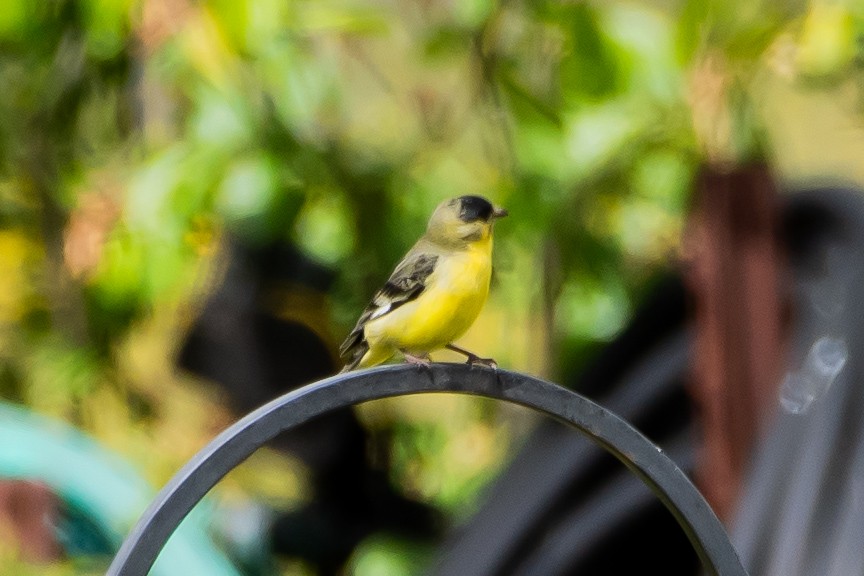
column 435, row 293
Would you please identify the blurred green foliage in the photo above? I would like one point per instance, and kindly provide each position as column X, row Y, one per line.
column 134, row 134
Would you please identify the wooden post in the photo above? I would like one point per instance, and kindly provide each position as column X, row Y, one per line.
column 734, row 275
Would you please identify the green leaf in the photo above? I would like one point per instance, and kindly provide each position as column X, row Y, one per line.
column 107, row 26
column 589, row 69
column 13, row 18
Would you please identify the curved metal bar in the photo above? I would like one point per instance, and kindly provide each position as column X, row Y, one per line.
column 236, row 443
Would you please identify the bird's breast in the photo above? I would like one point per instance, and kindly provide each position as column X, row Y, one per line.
column 452, row 299
column 462, row 276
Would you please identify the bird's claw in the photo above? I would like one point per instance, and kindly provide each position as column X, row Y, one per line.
column 488, row 362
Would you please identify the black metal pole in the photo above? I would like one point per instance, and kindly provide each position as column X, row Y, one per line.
column 235, row 444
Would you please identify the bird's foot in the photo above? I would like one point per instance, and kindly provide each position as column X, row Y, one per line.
column 488, row 362
column 417, row 360
column 473, row 358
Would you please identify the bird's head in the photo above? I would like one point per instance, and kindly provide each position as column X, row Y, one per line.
column 463, row 220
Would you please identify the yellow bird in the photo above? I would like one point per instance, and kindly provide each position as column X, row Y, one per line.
column 435, row 293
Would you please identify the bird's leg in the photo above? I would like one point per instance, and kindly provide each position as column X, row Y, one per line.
column 473, row 358
column 416, row 360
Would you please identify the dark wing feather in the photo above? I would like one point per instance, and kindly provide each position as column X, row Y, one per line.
column 406, row 283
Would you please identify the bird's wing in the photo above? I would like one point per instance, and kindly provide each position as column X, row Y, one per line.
column 406, row 283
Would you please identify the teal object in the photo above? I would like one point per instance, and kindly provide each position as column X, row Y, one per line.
column 104, row 493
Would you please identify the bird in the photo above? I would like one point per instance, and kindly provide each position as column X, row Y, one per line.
column 435, row 292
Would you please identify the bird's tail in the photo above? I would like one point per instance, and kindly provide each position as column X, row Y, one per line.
column 358, row 351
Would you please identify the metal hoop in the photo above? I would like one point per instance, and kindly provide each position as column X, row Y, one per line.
column 236, row 443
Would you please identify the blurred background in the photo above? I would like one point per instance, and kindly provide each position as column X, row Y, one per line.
column 197, row 199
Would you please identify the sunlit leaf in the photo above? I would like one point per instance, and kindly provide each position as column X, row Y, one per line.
column 247, row 194
column 589, row 67
column 473, row 13
column 107, row 23
column 589, row 312
column 388, row 555
column 595, row 134
column 323, row 228
column 828, row 42
column 17, row 257
column 13, row 17
column 333, row 16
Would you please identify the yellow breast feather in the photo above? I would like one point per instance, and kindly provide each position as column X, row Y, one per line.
column 452, row 299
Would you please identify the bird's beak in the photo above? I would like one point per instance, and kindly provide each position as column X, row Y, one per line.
column 499, row 212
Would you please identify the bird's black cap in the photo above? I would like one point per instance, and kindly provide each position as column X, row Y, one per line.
column 475, row 208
